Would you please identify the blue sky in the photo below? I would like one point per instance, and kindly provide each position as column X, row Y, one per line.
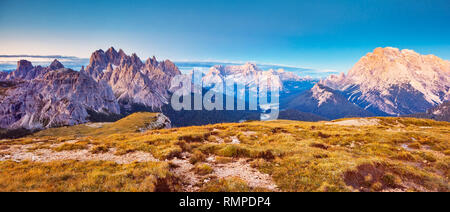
column 311, row 34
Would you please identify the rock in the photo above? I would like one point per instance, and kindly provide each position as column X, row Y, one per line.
column 326, row 102
column 161, row 122
column 26, row 71
column 55, row 65
column 251, row 76
column 41, row 97
column 248, row 75
column 24, row 66
column 132, row 81
column 55, row 98
column 3, row 75
column 440, row 112
column 390, row 81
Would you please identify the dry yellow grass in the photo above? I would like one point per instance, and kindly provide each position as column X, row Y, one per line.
column 85, row 176
column 404, row 154
column 230, row 184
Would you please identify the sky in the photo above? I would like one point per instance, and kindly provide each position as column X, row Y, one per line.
column 323, row 35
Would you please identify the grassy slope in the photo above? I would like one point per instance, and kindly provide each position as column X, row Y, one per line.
column 400, row 153
column 129, row 124
column 83, row 176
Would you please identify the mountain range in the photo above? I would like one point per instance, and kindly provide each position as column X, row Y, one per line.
column 386, row 82
column 35, row 97
column 41, row 97
column 132, row 81
column 249, row 76
column 326, row 102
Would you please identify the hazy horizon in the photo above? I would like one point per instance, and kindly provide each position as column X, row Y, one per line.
column 319, row 35
column 9, row 63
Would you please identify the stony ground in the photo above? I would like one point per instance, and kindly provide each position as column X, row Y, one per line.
column 182, row 168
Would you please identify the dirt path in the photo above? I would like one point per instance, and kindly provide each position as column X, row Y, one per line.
column 21, row 152
column 183, row 170
column 356, row 122
column 238, row 168
column 242, row 169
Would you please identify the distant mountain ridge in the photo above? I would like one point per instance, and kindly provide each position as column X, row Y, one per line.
column 326, row 102
column 438, row 113
column 249, row 75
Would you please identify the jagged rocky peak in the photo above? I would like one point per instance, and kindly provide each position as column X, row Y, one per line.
column 26, row 71
column 100, row 60
column 121, row 53
column 246, row 69
column 113, row 56
column 151, row 62
column 395, row 82
column 134, row 60
column 56, row 65
column 322, row 94
column 24, row 65
column 3, row 75
column 133, row 81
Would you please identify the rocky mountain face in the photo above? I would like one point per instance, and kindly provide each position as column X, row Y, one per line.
column 3, row 75
column 161, row 122
column 395, row 82
column 41, row 97
column 251, row 78
column 326, row 102
column 440, row 112
column 132, row 81
column 26, row 71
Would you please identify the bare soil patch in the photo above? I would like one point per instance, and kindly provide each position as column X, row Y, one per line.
column 356, row 122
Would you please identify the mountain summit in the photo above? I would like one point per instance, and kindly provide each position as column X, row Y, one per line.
column 133, row 81
column 395, row 82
